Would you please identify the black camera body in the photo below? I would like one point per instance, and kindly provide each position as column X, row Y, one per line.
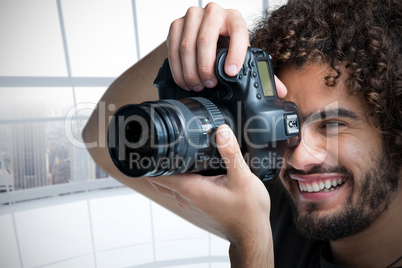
column 177, row 133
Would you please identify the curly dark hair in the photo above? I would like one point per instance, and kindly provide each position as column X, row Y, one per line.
column 363, row 36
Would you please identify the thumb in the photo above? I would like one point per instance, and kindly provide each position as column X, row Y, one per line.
column 280, row 88
column 230, row 152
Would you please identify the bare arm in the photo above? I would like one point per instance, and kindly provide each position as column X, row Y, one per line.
column 133, row 86
column 235, row 206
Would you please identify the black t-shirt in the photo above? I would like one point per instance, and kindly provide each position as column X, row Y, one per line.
column 290, row 248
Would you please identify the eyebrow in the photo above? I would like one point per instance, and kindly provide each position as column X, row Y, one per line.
column 329, row 113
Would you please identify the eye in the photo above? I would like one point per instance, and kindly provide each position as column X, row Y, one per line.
column 331, row 127
column 332, row 124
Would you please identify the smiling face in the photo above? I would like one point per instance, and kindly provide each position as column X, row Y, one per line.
column 338, row 176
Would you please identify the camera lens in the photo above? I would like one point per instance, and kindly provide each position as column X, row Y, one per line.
column 167, row 137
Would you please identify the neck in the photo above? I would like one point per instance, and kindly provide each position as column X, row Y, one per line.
column 377, row 246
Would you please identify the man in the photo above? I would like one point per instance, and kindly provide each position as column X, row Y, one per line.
column 341, row 64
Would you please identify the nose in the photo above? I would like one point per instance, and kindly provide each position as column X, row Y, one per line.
column 311, row 151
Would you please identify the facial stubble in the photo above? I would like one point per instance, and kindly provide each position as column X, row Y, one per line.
column 365, row 203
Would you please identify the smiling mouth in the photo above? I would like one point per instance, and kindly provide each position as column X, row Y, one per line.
column 321, row 186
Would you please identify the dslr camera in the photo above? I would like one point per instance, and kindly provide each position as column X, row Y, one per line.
column 176, row 134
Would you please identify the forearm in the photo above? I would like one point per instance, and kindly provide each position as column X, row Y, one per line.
column 133, row 86
column 255, row 251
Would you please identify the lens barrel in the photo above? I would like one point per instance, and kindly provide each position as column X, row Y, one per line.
column 167, row 137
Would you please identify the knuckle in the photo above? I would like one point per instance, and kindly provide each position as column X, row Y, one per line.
column 229, row 158
column 240, row 28
column 232, row 152
column 233, row 12
column 173, row 54
column 234, row 149
column 204, row 38
column 187, row 46
column 212, row 7
column 192, row 11
column 204, row 70
column 175, row 30
column 190, row 77
column 177, row 23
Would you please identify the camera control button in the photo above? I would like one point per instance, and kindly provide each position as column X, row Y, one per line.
column 292, row 126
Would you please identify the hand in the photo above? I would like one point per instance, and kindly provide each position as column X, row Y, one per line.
column 192, row 44
column 236, row 205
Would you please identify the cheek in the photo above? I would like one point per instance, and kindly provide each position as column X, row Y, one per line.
column 352, row 155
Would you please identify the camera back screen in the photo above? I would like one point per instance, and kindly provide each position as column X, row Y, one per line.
column 267, row 85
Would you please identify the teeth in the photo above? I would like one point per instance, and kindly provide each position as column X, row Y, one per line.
column 309, row 188
column 316, row 188
column 320, row 186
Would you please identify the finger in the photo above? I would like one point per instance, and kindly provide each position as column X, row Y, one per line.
column 173, row 44
column 239, row 41
column 280, row 88
column 231, row 154
column 208, row 37
column 188, row 48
